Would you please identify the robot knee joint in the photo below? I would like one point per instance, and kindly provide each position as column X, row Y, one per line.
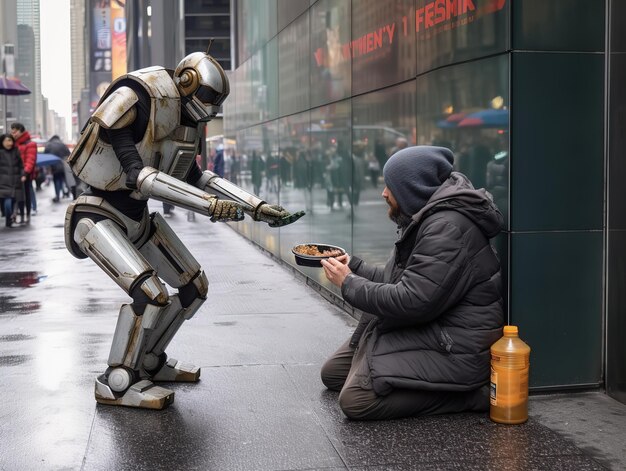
column 150, row 291
column 195, row 289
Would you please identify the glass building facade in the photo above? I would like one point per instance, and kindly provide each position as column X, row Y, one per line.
column 526, row 94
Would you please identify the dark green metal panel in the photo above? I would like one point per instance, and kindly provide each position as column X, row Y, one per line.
column 558, row 25
column 557, row 141
column 556, row 300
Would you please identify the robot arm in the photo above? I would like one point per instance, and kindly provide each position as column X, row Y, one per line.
column 258, row 209
column 165, row 188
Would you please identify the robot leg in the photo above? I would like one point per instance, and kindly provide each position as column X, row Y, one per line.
column 106, row 244
column 179, row 269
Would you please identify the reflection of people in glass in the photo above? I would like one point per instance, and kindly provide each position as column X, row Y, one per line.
column 401, row 143
column 271, row 173
column 377, row 161
column 498, row 179
column 473, row 160
column 435, row 308
column 256, row 172
column 358, row 172
column 235, row 167
column 333, row 179
column 303, row 177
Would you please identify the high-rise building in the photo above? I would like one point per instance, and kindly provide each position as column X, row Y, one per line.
column 8, row 40
column 28, row 65
column 205, row 21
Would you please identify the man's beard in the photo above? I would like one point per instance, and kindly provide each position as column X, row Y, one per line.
column 397, row 216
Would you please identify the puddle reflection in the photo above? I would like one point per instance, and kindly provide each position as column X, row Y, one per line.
column 20, row 279
column 10, row 307
column 56, row 357
column 14, row 360
column 15, row 338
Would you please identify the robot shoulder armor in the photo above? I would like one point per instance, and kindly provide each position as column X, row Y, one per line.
column 117, row 110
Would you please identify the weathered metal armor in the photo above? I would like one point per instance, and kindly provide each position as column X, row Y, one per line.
column 142, row 255
column 166, row 145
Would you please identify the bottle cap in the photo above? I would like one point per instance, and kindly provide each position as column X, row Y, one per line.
column 510, row 330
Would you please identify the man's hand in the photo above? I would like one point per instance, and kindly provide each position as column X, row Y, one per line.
column 276, row 216
column 225, row 210
column 336, row 269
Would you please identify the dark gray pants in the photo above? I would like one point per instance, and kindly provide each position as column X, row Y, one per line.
column 347, row 371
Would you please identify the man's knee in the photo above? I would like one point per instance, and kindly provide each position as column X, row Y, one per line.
column 358, row 404
column 332, row 378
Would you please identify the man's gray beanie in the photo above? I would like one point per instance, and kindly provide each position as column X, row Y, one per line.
column 413, row 174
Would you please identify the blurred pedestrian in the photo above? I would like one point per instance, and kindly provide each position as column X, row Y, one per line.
column 235, row 168
column 28, row 153
column 256, row 172
column 432, row 312
column 401, row 143
column 11, row 176
column 218, row 163
column 70, row 179
column 56, row 147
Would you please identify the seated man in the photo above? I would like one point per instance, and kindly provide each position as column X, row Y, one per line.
column 434, row 310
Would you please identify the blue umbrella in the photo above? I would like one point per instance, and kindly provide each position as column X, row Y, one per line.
column 47, row 159
column 486, row 119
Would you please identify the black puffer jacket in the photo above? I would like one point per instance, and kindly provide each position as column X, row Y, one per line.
column 11, row 170
column 436, row 307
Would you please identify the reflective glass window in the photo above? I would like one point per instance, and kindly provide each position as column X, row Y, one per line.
column 229, row 107
column 457, row 31
column 382, row 46
column 244, row 96
column 381, row 121
column 256, row 24
column 257, row 155
column 331, row 174
column 466, row 108
column 264, row 82
column 293, row 67
column 289, row 10
column 330, row 65
column 297, row 181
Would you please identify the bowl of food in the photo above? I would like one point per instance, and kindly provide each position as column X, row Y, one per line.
column 310, row 255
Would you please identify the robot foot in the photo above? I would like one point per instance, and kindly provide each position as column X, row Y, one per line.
column 142, row 394
column 174, row 370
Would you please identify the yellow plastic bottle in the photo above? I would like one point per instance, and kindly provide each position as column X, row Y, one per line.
column 510, row 361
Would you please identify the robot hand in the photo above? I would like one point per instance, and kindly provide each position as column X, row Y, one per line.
column 276, row 216
column 225, row 210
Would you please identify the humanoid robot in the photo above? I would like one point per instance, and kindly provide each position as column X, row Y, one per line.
column 141, row 142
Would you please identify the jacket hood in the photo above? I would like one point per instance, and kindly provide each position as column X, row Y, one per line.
column 458, row 194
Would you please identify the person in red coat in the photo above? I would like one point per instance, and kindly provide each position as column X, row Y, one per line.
column 28, row 151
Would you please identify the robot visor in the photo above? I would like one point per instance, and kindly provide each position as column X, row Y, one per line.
column 209, row 96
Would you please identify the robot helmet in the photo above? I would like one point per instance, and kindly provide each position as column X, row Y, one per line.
column 202, row 80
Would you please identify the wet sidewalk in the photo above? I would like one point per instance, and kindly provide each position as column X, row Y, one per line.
column 260, row 339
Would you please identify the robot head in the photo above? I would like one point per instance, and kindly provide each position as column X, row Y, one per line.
column 202, row 80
